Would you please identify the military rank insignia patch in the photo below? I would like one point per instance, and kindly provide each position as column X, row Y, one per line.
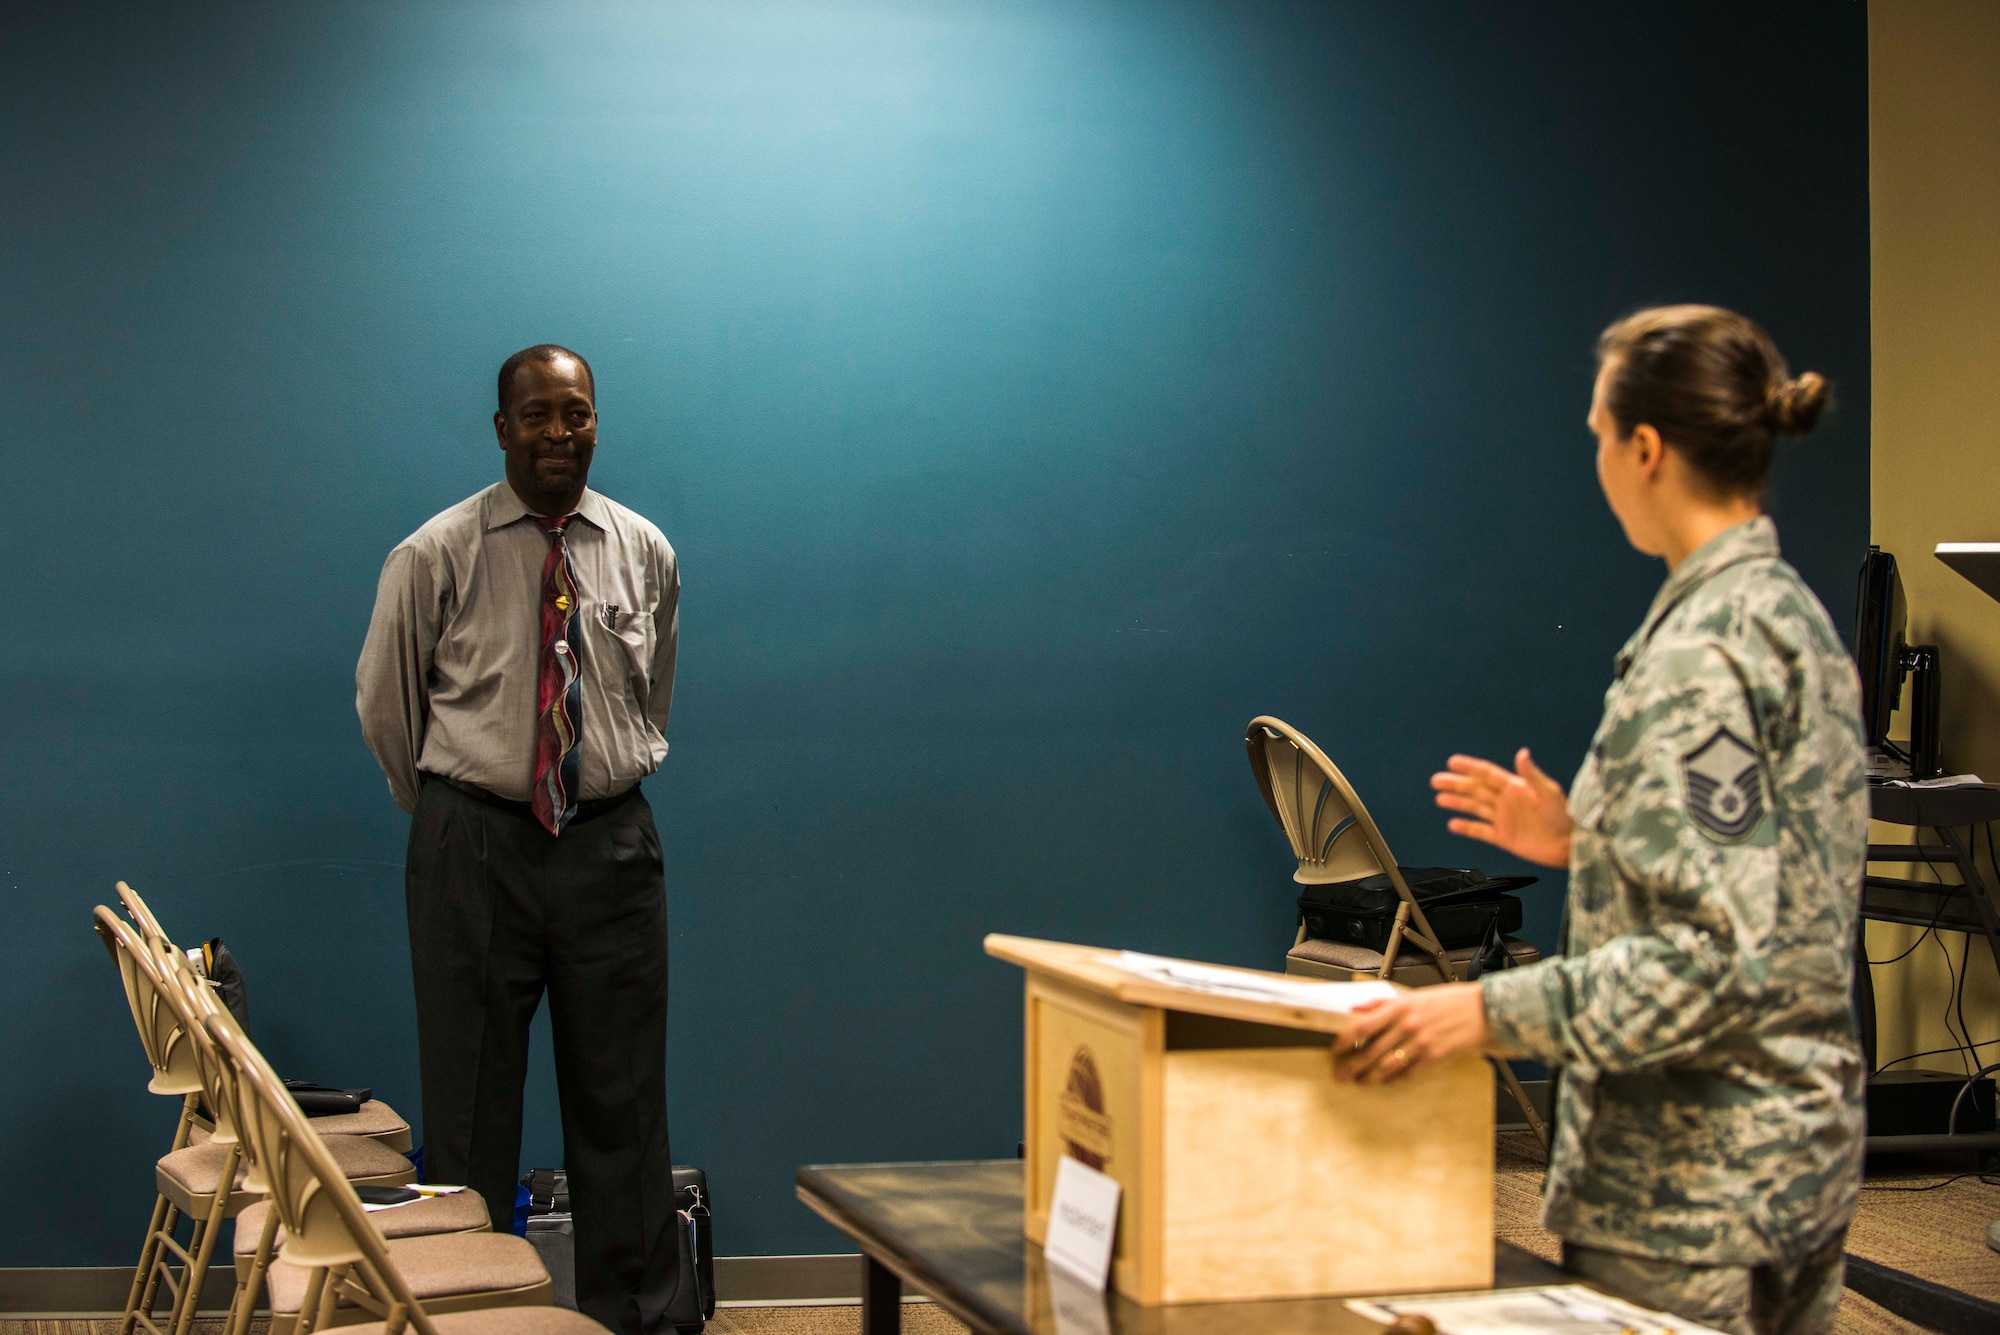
column 1725, row 796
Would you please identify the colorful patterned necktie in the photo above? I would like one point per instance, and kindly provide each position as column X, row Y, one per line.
column 559, row 724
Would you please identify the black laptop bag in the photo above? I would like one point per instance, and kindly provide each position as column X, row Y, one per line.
column 1463, row 905
column 550, row 1230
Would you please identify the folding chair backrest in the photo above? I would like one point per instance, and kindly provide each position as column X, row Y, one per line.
column 168, row 1046
column 196, row 1001
column 149, row 926
column 324, row 1220
column 1332, row 835
column 181, row 995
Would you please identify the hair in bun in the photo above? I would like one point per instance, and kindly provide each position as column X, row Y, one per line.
column 1712, row 384
column 1795, row 405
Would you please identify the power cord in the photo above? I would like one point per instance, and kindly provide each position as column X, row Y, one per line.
column 1933, row 1052
column 1987, row 1179
column 1951, row 1123
column 1953, row 991
column 1929, row 929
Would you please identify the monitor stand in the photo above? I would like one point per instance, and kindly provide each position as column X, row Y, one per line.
column 1920, row 757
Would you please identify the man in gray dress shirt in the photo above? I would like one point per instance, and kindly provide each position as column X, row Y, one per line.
column 515, row 686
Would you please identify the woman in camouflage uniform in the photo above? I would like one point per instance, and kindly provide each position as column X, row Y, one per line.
column 1709, row 1126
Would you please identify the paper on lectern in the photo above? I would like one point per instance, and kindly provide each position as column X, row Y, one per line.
column 1339, row 998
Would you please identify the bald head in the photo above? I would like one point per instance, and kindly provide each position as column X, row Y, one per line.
column 541, row 354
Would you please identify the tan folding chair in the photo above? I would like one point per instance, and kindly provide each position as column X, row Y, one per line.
column 207, row 1182
column 334, row 1268
column 259, row 1235
column 257, row 1232
column 174, row 1073
column 203, row 1181
column 373, row 1119
column 363, row 1160
column 1335, row 839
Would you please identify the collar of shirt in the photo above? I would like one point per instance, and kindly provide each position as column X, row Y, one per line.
column 1745, row 542
column 504, row 507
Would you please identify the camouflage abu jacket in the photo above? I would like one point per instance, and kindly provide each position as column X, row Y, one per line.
column 1711, row 1097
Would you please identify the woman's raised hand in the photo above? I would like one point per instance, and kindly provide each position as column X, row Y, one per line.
column 1522, row 810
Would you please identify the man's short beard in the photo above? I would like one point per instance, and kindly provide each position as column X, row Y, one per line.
column 547, row 496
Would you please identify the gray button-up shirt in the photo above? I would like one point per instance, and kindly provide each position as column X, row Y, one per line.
column 447, row 679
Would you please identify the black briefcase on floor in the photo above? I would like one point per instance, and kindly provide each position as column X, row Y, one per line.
column 1462, row 904
column 551, row 1230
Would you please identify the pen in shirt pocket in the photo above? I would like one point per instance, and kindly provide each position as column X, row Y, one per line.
column 608, row 614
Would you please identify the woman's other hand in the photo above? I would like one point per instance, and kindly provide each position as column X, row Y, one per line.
column 1522, row 811
column 1389, row 1039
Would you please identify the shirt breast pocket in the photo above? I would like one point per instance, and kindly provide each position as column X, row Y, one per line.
column 628, row 638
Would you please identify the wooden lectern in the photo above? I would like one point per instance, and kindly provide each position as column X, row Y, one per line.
column 1247, row 1173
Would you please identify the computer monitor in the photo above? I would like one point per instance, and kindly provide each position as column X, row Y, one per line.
column 1880, row 648
column 1885, row 656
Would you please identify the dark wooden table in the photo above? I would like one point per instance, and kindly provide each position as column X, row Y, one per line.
column 953, row 1231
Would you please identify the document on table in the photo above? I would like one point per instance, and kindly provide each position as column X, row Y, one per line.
column 1339, row 998
column 1567, row 1309
column 424, row 1192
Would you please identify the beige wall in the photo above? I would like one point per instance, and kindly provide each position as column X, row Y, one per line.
column 1934, row 191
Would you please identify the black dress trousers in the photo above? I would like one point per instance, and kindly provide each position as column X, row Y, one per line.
column 499, row 912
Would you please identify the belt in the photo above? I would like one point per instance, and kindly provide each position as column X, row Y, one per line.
column 588, row 809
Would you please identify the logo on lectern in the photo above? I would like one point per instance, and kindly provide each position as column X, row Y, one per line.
column 1080, row 1116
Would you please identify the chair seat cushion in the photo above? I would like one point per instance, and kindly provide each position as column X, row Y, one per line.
column 196, row 1169
column 460, row 1212
column 435, row 1267
column 376, row 1119
column 499, row 1321
column 370, row 1161
column 1360, row 959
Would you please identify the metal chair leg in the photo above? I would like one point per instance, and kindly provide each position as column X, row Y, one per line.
column 329, row 1299
column 145, row 1282
column 202, row 1245
column 166, row 1248
column 1395, row 942
column 244, row 1305
column 309, row 1304
column 1513, row 1083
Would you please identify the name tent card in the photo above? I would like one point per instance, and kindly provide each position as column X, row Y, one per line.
column 1083, row 1222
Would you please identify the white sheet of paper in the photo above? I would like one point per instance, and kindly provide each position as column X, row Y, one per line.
column 1339, row 998
column 1083, row 1222
column 1566, row 1309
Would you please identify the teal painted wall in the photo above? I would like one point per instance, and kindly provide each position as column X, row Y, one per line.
column 1034, row 393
